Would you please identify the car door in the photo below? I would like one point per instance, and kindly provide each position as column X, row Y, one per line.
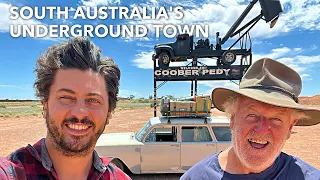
column 161, row 151
column 223, row 137
column 196, row 144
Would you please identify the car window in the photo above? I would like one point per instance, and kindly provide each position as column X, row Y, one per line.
column 222, row 133
column 195, row 134
column 143, row 131
column 162, row 134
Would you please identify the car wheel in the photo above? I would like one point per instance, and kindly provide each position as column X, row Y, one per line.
column 228, row 57
column 164, row 60
column 118, row 163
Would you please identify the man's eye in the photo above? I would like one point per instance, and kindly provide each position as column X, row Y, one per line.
column 252, row 115
column 93, row 100
column 65, row 97
column 276, row 119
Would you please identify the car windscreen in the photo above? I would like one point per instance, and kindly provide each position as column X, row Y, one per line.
column 143, row 131
column 222, row 133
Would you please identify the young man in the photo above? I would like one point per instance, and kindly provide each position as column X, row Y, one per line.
column 262, row 113
column 78, row 89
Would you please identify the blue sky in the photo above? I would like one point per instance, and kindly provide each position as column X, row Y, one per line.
column 295, row 41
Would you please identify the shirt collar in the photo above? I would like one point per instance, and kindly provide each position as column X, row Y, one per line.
column 97, row 163
column 44, row 157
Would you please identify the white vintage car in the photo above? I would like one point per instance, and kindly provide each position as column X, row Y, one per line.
column 166, row 145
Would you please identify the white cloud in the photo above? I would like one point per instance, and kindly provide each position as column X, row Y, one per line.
column 275, row 54
column 144, row 60
column 208, row 61
column 308, row 59
column 148, row 45
column 257, row 42
column 5, row 22
column 306, row 77
column 94, row 3
column 220, row 15
column 302, row 14
column 314, row 47
column 297, row 49
column 298, row 68
column 286, row 60
column 185, row 3
column 291, row 58
column 288, row 55
column 129, row 39
column 279, row 52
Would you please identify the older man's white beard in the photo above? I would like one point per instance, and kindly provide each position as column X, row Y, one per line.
column 244, row 155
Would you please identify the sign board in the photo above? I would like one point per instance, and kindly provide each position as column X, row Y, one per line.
column 234, row 72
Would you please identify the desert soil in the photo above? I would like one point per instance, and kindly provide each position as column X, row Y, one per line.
column 18, row 132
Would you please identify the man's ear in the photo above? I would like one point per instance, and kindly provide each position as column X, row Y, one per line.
column 232, row 118
column 108, row 118
column 290, row 128
column 45, row 109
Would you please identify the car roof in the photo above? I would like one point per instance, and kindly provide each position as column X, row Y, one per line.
column 188, row 120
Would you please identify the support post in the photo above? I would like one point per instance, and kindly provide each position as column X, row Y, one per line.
column 195, row 64
column 154, row 89
column 191, row 88
column 195, row 87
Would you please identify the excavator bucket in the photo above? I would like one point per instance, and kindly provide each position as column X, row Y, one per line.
column 271, row 9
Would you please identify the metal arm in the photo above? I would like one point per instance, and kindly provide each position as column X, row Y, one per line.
column 254, row 20
column 238, row 22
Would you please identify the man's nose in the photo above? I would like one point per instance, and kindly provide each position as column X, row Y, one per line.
column 263, row 126
column 80, row 110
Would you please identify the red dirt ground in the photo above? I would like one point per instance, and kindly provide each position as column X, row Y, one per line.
column 311, row 101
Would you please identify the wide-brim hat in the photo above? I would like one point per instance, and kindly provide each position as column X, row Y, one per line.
column 273, row 83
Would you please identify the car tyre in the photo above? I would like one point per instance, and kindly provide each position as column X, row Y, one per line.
column 118, row 163
column 228, row 57
column 164, row 60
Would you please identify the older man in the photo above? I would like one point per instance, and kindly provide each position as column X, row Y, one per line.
column 262, row 113
column 78, row 89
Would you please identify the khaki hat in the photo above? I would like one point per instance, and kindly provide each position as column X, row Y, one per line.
column 270, row 82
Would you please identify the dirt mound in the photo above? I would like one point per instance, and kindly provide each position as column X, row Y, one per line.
column 313, row 100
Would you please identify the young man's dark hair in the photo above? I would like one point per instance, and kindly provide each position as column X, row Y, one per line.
column 78, row 53
column 78, row 89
